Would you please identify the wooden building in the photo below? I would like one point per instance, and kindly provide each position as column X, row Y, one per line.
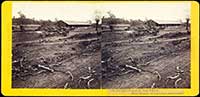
column 73, row 23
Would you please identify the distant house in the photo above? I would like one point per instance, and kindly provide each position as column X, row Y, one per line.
column 115, row 23
column 151, row 23
column 169, row 23
column 31, row 27
column 164, row 23
column 73, row 23
column 27, row 27
column 116, row 26
column 121, row 26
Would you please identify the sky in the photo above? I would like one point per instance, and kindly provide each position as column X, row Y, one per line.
column 86, row 10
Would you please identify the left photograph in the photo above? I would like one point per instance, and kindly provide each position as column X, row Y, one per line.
column 55, row 46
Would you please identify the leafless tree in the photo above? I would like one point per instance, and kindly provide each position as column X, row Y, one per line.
column 97, row 15
column 22, row 18
column 112, row 19
column 111, row 15
column 187, row 23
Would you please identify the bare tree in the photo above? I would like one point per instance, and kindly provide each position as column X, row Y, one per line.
column 21, row 15
column 22, row 18
column 112, row 20
column 111, row 15
column 187, row 24
column 98, row 16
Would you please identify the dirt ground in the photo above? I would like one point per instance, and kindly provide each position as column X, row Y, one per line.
column 160, row 59
column 64, row 61
column 112, row 60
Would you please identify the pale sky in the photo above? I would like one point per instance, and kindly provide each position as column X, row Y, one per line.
column 85, row 11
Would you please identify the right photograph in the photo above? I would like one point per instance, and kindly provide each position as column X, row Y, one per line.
column 145, row 45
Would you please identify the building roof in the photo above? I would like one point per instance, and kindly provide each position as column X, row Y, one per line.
column 32, row 25
column 168, row 22
column 122, row 25
column 77, row 22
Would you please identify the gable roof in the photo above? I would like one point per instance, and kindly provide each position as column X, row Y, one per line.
column 122, row 25
column 168, row 22
column 77, row 22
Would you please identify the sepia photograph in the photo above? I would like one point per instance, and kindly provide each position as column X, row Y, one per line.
column 101, row 45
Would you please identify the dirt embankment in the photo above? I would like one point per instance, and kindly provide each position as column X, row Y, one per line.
column 55, row 64
column 160, row 63
column 112, row 60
